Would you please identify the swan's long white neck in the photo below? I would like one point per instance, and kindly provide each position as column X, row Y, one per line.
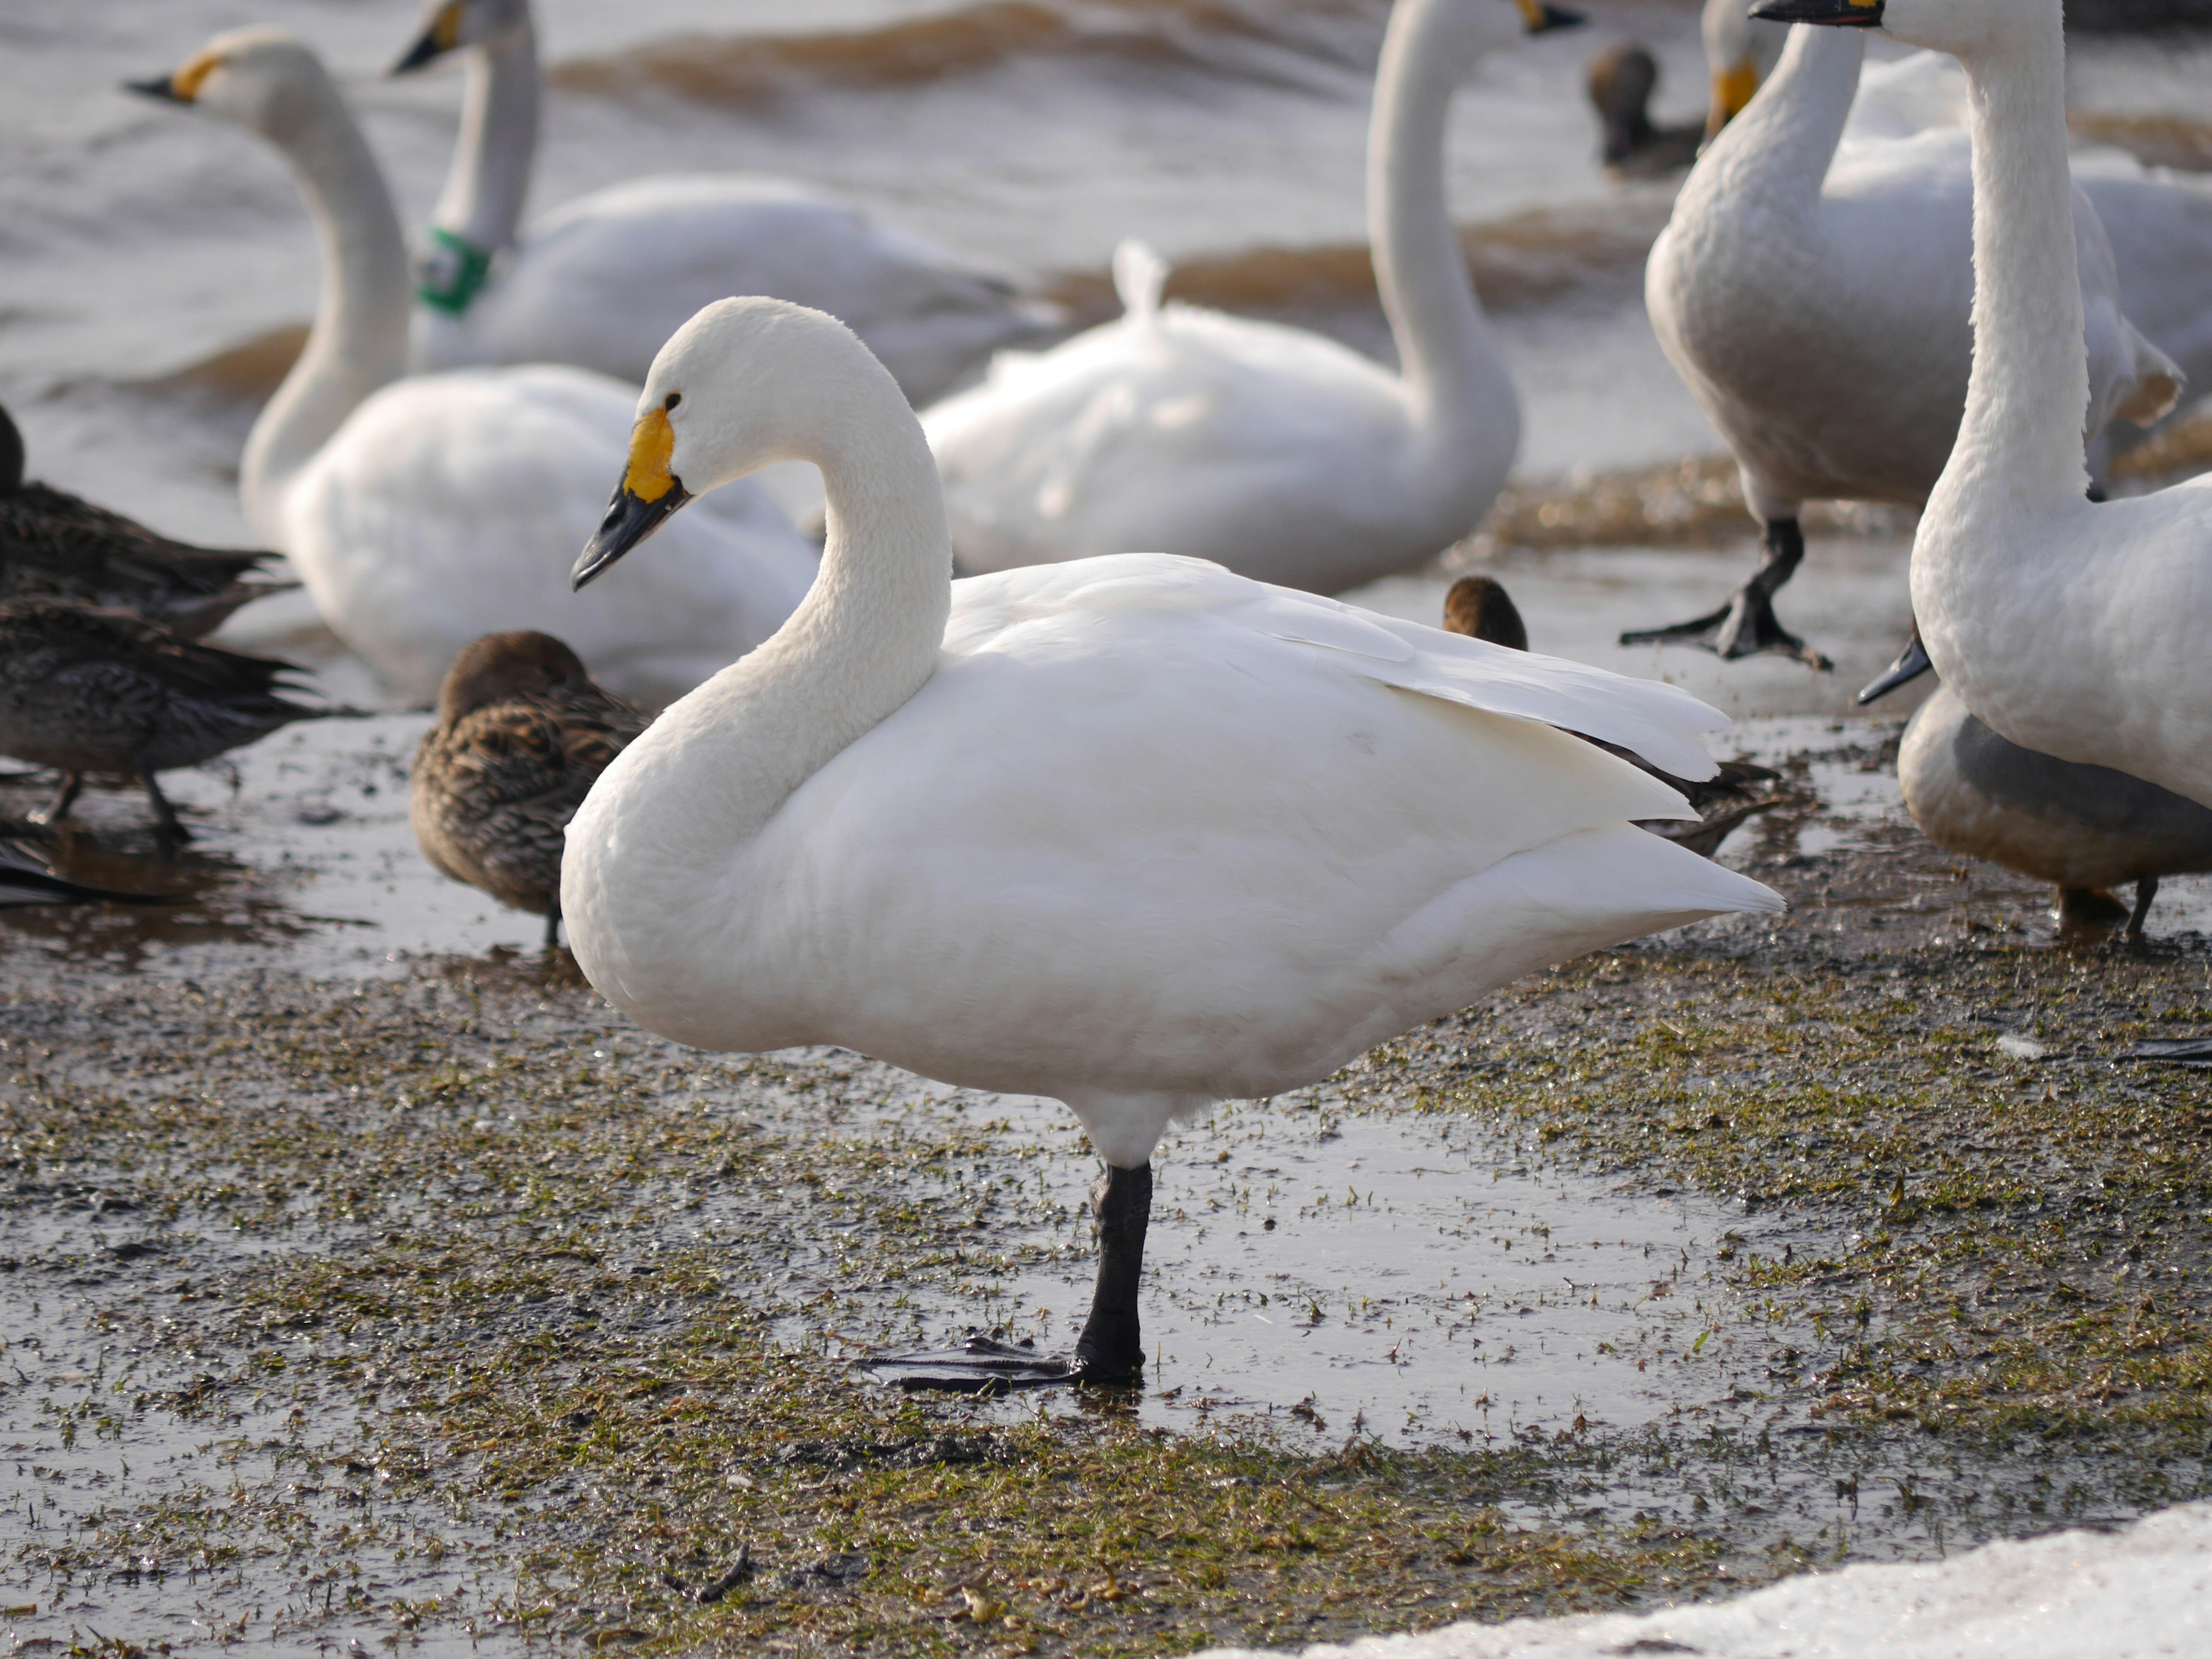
column 2020, row 444
column 358, row 340
column 490, row 183
column 1454, row 375
column 720, row 764
column 1773, row 159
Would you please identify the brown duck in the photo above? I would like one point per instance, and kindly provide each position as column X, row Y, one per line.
column 57, row 546
column 523, row 732
column 83, row 690
column 1480, row 608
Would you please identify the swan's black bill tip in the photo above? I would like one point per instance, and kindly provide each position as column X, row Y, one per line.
column 160, row 86
column 630, row 519
column 425, row 51
column 1837, row 14
column 1912, row 663
column 1549, row 17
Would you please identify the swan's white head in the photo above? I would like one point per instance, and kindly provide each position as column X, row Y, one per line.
column 1464, row 30
column 452, row 25
column 1965, row 28
column 261, row 79
column 744, row 384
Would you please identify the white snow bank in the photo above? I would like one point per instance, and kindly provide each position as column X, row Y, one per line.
column 2129, row 1594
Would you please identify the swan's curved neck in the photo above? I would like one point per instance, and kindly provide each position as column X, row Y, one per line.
column 2029, row 390
column 1776, row 154
column 866, row 638
column 1453, row 371
column 358, row 340
column 482, row 201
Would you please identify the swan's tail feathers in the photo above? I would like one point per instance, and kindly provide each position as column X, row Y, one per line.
column 1587, row 891
column 2157, row 386
column 1140, row 276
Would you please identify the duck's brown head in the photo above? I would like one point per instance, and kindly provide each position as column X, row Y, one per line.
column 1480, row 608
column 503, row 665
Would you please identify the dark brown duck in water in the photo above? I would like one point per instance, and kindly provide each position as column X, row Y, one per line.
column 523, row 732
column 25, row 877
column 1621, row 80
column 84, row 690
column 1480, row 608
column 57, row 546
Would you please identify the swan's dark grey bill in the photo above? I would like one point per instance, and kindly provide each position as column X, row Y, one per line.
column 630, row 519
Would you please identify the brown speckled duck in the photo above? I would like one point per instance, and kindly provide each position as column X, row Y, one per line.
column 57, row 546
column 523, row 732
column 1480, row 608
column 83, row 690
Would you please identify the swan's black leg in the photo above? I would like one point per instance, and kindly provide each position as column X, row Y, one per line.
column 64, row 798
column 1112, row 1347
column 2087, row 910
column 164, row 816
column 553, row 922
column 2146, row 890
column 1746, row 626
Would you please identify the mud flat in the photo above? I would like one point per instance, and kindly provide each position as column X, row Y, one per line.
column 366, row 1279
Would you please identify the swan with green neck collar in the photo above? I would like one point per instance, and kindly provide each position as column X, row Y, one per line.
column 1133, row 832
column 604, row 280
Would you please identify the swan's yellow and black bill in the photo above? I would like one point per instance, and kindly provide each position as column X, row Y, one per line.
column 1841, row 13
column 439, row 36
column 184, row 86
column 1541, row 15
column 648, row 493
column 1912, row 663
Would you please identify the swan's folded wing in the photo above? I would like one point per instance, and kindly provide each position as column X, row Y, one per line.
column 1661, row 723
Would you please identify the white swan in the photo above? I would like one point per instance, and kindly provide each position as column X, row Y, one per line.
column 423, row 512
column 1815, row 301
column 2072, row 627
column 2083, row 828
column 1273, row 451
column 2158, row 222
column 604, row 279
column 1132, row 832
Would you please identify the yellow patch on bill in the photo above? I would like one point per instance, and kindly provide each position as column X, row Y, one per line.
column 1733, row 86
column 446, row 29
column 185, row 84
column 1532, row 13
column 652, row 441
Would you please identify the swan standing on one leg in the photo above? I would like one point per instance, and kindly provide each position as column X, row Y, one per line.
column 1815, row 301
column 1132, row 832
column 604, row 279
column 2072, row 628
column 1270, row 450
column 426, row 513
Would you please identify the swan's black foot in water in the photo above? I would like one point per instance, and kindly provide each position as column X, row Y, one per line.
column 553, row 923
column 1746, row 626
column 1110, row 1352
column 2088, row 910
column 2146, row 890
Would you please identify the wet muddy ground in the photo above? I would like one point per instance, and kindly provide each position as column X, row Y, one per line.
column 366, row 1281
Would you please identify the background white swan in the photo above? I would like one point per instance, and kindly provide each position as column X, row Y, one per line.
column 2072, row 628
column 2159, row 222
column 604, row 280
column 1815, row 301
column 1270, row 450
column 2083, row 828
column 424, row 513
column 1133, row 832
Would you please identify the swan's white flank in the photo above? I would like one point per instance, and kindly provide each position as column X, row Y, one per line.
column 1270, row 449
column 2080, row 828
column 2158, row 222
column 423, row 512
column 604, row 279
column 1132, row 832
column 1816, row 299
column 2074, row 628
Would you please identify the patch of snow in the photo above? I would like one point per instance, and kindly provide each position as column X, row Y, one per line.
column 2135, row 1593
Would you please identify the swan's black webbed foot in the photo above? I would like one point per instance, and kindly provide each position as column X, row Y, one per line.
column 553, row 923
column 1747, row 625
column 1110, row 1352
column 2146, row 890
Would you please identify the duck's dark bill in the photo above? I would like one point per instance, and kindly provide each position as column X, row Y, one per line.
column 630, row 519
column 979, row 1365
column 1844, row 13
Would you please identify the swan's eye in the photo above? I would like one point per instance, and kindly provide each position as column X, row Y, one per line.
column 674, row 398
